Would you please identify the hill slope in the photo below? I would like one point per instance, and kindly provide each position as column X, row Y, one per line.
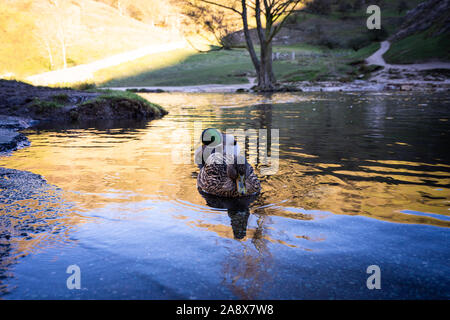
column 424, row 34
column 35, row 34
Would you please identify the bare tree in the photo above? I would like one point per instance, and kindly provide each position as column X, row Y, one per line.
column 203, row 17
column 46, row 43
column 274, row 13
column 44, row 33
column 60, row 7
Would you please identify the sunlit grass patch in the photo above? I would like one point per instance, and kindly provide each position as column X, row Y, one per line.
column 118, row 96
column 187, row 67
column 179, row 67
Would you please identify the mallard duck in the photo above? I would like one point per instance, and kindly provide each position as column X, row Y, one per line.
column 213, row 141
column 228, row 174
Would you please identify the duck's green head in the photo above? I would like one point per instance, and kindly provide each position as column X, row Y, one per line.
column 211, row 137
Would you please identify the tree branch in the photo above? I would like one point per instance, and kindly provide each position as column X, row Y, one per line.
column 287, row 13
column 222, row 6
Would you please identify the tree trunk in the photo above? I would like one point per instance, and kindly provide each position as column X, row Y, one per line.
column 119, row 7
column 49, row 51
column 248, row 39
column 273, row 80
column 266, row 77
column 64, row 53
column 275, row 11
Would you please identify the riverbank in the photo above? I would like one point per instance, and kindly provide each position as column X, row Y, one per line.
column 66, row 104
column 307, row 86
column 10, row 137
column 22, row 105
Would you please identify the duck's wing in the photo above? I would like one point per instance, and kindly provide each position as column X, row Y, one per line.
column 213, row 177
column 252, row 183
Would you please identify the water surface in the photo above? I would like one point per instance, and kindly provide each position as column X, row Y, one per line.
column 363, row 180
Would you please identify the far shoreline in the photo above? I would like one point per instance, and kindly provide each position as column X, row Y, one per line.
column 307, row 86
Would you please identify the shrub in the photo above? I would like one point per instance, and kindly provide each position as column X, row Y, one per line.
column 378, row 34
column 60, row 98
column 84, row 86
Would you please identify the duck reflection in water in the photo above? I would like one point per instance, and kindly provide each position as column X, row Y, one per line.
column 226, row 180
column 237, row 208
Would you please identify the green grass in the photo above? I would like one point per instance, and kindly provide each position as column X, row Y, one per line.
column 126, row 95
column 336, row 64
column 419, row 48
column 186, row 67
column 180, row 67
column 83, row 86
column 60, row 98
column 347, row 29
column 41, row 106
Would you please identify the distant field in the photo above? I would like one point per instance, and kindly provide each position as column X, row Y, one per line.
column 187, row 67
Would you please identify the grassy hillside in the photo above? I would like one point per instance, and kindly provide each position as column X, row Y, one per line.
column 31, row 34
column 340, row 24
column 423, row 36
column 419, row 48
column 188, row 67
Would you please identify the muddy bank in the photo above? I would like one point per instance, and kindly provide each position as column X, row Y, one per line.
column 19, row 221
column 393, row 84
column 64, row 104
column 23, row 105
column 10, row 137
column 377, row 85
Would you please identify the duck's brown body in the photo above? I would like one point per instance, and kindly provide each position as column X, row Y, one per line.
column 213, row 178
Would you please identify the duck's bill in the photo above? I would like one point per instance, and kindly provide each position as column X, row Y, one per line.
column 240, row 183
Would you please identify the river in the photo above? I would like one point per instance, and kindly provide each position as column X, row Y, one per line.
column 362, row 179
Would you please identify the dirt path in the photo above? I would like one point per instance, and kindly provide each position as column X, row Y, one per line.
column 85, row 72
column 377, row 58
column 414, row 74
